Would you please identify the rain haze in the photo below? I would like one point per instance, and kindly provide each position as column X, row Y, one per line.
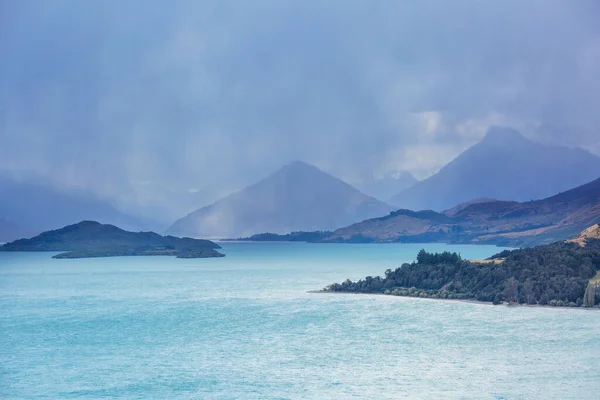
column 141, row 101
column 307, row 199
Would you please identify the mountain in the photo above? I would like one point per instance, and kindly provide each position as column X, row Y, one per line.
column 504, row 165
column 92, row 239
column 298, row 197
column 492, row 222
column 455, row 210
column 388, row 185
column 35, row 207
column 162, row 202
column 10, row 230
column 593, row 232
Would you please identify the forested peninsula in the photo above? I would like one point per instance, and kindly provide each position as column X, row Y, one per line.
column 560, row 274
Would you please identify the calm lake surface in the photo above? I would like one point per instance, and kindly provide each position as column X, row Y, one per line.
column 244, row 327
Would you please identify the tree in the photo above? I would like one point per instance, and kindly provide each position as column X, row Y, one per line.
column 423, row 257
column 528, row 292
column 511, row 291
column 497, row 299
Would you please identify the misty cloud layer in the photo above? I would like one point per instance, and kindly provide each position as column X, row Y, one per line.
column 135, row 100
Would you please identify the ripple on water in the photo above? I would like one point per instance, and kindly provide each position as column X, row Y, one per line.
column 244, row 327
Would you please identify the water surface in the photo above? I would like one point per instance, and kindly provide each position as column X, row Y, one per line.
column 245, row 327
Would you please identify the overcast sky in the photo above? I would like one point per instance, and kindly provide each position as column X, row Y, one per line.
column 129, row 98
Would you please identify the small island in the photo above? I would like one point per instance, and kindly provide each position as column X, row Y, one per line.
column 300, row 236
column 563, row 274
column 89, row 239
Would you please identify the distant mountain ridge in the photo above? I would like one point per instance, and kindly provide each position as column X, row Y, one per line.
column 508, row 223
column 298, row 197
column 455, row 210
column 33, row 207
column 504, row 165
column 387, row 186
column 9, row 230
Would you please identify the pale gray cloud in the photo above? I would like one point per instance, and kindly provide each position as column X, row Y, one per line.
column 139, row 99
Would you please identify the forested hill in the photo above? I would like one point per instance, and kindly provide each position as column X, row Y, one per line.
column 558, row 274
column 92, row 239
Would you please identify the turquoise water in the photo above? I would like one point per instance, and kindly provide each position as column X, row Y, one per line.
column 244, row 327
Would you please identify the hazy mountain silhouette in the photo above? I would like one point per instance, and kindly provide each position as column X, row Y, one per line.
column 29, row 208
column 298, row 197
column 9, row 230
column 504, row 165
column 387, row 186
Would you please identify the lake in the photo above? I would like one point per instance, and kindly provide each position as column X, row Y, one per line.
column 244, row 327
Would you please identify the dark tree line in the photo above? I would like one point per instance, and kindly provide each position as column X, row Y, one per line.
column 300, row 236
column 557, row 274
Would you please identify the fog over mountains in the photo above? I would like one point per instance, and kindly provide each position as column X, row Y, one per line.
column 151, row 110
column 154, row 105
column 300, row 197
column 297, row 197
column 506, row 166
column 30, row 207
column 388, row 185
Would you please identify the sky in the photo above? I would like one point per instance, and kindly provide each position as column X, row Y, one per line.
column 137, row 99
